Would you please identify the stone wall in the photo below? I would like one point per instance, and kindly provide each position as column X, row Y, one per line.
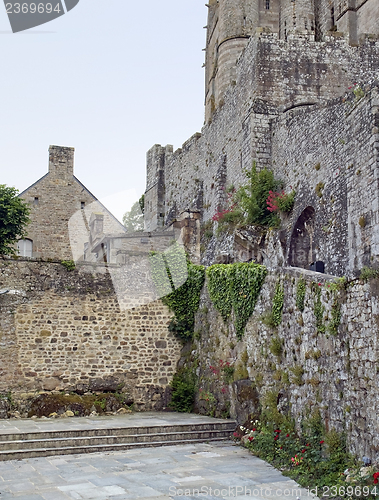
column 283, row 101
column 62, row 330
column 333, row 168
column 325, row 366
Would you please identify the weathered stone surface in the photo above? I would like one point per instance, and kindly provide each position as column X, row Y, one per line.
column 4, row 408
column 93, row 345
column 320, row 367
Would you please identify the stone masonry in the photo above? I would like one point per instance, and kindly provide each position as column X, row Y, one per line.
column 61, row 208
column 334, row 372
column 306, row 110
column 64, row 331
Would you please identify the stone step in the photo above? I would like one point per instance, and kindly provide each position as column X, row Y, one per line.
column 21, row 454
column 118, row 431
column 111, row 439
column 39, row 444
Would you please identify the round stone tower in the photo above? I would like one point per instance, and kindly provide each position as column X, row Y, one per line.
column 230, row 25
column 297, row 18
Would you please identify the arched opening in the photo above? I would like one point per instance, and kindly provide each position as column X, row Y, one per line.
column 302, row 251
column 25, row 248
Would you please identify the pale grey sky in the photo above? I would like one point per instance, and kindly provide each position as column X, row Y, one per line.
column 110, row 78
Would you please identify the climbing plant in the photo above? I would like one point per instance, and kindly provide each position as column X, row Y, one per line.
column 277, row 304
column 318, row 309
column 300, row 294
column 236, row 286
column 335, row 317
column 180, row 286
column 219, row 289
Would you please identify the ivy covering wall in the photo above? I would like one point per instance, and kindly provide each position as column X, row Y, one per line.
column 236, row 287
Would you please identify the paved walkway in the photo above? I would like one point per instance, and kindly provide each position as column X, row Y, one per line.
column 206, row 471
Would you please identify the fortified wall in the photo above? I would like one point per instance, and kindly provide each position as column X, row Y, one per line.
column 308, row 110
column 321, row 357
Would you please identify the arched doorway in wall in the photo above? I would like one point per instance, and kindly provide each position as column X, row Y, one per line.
column 302, row 249
column 25, row 248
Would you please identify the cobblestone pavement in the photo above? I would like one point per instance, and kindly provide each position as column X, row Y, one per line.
column 206, row 471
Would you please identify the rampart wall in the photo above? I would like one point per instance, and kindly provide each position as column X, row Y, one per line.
column 65, row 330
column 311, row 362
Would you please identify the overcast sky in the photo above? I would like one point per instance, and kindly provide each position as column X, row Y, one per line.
column 110, row 78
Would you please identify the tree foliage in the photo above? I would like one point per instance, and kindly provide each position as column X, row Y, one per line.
column 133, row 220
column 14, row 217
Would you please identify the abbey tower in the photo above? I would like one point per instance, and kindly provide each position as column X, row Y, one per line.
column 232, row 22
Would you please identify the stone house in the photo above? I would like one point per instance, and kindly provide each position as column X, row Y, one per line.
column 61, row 209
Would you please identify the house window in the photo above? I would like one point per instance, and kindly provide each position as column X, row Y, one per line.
column 82, row 205
column 36, row 200
column 267, row 4
column 25, row 248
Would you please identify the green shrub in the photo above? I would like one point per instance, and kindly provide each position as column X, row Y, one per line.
column 68, row 264
column 183, row 391
column 253, row 196
column 285, row 203
column 300, row 294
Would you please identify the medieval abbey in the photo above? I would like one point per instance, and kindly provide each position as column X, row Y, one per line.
column 290, row 85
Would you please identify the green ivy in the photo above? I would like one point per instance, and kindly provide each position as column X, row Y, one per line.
column 168, row 274
column 319, row 310
column 219, row 289
column 336, row 317
column 300, row 294
column 68, row 264
column 277, row 304
column 236, row 286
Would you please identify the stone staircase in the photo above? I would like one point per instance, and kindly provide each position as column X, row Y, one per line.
column 14, row 446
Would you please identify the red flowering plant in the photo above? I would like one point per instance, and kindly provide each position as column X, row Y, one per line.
column 230, row 215
column 280, row 201
column 224, row 369
column 310, row 455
